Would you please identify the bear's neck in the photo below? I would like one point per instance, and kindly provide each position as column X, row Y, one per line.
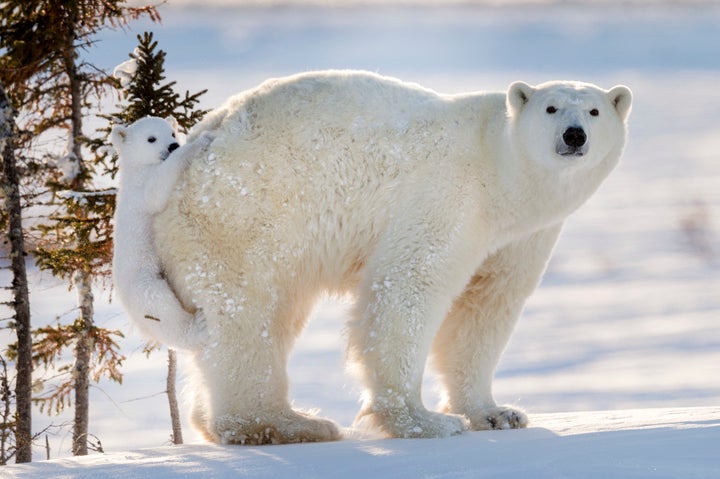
column 132, row 175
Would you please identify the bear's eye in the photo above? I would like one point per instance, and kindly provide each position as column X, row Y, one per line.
column 173, row 135
column 594, row 112
column 551, row 109
column 152, row 139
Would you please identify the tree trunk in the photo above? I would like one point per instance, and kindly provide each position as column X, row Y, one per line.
column 82, row 281
column 21, row 302
column 172, row 398
column 81, row 371
column 7, row 428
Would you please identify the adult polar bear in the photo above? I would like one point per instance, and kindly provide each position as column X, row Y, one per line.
column 439, row 213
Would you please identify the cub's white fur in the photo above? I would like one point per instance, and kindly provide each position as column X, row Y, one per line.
column 438, row 212
column 150, row 163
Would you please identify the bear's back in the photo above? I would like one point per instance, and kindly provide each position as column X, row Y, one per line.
column 332, row 99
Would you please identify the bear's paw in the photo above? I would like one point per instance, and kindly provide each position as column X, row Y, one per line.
column 415, row 422
column 499, row 417
column 284, row 428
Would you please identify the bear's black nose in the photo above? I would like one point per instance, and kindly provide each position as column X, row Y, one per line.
column 574, row 137
column 173, row 147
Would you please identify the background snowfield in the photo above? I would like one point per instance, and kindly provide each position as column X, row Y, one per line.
column 628, row 314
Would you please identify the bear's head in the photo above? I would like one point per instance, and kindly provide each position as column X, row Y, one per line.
column 559, row 124
column 148, row 141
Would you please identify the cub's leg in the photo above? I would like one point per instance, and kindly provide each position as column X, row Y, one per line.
column 244, row 368
column 409, row 285
column 157, row 312
column 473, row 336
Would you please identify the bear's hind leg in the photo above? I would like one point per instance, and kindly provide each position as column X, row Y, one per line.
column 198, row 407
column 244, row 368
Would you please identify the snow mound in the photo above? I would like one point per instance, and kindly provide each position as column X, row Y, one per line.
column 645, row 443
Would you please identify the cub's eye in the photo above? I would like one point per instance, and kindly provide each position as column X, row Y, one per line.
column 173, row 135
column 551, row 109
column 594, row 112
column 152, row 139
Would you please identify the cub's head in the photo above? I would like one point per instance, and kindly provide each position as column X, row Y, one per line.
column 569, row 123
column 148, row 141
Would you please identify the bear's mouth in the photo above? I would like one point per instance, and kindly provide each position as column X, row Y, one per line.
column 571, row 151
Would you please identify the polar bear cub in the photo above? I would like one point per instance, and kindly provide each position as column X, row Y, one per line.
column 150, row 164
column 437, row 213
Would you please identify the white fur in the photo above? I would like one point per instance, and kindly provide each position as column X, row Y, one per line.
column 439, row 213
column 148, row 172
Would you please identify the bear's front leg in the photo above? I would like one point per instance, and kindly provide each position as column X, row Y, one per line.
column 408, row 289
column 389, row 346
column 473, row 336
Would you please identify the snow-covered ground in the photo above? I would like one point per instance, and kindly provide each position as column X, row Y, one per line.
column 653, row 444
column 628, row 316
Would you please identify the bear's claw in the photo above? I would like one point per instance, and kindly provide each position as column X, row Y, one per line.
column 499, row 418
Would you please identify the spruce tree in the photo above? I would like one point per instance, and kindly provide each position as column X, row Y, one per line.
column 144, row 93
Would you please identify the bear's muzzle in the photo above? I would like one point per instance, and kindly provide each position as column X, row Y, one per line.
column 574, row 142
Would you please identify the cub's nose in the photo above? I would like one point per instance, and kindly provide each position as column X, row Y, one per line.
column 574, row 137
column 173, row 147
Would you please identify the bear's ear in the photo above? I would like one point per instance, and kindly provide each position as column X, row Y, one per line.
column 173, row 122
column 118, row 135
column 621, row 98
column 518, row 95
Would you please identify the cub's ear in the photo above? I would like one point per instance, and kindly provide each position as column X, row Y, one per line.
column 621, row 98
column 173, row 122
column 518, row 95
column 118, row 135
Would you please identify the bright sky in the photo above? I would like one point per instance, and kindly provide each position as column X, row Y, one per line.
column 407, row 2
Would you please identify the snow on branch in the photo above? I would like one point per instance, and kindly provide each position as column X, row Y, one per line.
column 125, row 72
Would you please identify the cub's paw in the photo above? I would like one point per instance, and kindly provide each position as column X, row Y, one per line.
column 499, row 417
column 191, row 150
column 195, row 334
column 204, row 140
